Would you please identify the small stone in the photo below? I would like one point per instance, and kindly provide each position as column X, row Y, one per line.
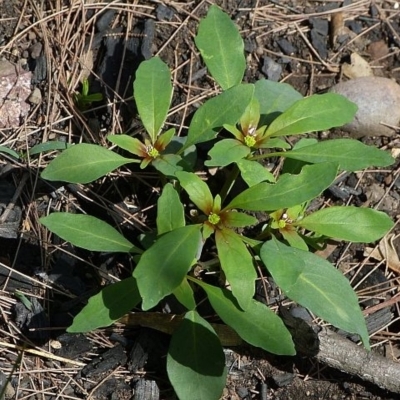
column 357, row 68
column 40, row 72
column 319, row 43
column 320, row 25
column 35, row 50
column 22, row 62
column 260, row 50
column 378, row 49
column 374, row 11
column 35, row 97
column 355, row 26
column 31, row 35
column 164, row 13
column 250, row 45
column 242, row 392
column 378, row 101
column 286, row 47
column 283, row 379
column 271, row 69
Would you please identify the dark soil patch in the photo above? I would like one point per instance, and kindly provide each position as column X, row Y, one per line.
column 288, row 41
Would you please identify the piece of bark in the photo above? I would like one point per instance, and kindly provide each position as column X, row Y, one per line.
column 334, row 350
column 338, row 352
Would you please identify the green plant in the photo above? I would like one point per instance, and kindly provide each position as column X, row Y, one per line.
column 83, row 100
column 258, row 116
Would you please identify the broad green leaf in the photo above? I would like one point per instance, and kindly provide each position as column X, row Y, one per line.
column 293, row 166
column 104, row 308
column 48, row 146
column 198, row 191
column 87, row 232
column 4, row 149
column 196, row 361
column 226, row 108
column 226, row 152
column 165, row 138
column 189, row 155
column 294, row 239
column 234, row 130
column 257, row 325
column 184, row 294
column 164, row 265
column 355, row 224
column 221, row 47
column 217, row 204
column 253, row 172
column 237, row 264
column 249, row 120
column 145, row 162
column 153, row 92
column 304, row 142
column 207, row 231
column 170, row 212
column 237, row 219
column 83, row 163
column 315, row 284
column 168, row 164
column 350, row 154
column 272, row 143
column 128, row 143
column 274, row 98
column 314, row 113
column 288, row 191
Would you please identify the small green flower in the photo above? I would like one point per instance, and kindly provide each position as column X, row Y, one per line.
column 214, row 218
column 249, row 141
column 152, row 151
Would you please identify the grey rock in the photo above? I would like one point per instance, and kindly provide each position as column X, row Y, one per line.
column 6, row 390
column 378, row 101
column 104, row 22
column 355, row 26
column 164, row 13
column 284, row 379
column 319, row 43
column 320, row 25
column 286, row 47
column 271, row 69
column 35, row 50
column 35, row 97
column 40, row 72
column 250, row 45
column 242, row 392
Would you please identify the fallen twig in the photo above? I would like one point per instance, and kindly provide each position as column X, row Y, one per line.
column 340, row 353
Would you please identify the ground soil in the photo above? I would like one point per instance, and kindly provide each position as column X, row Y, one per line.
column 60, row 43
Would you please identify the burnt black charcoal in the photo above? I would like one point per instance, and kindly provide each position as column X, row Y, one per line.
column 286, row 46
column 164, row 13
column 109, row 360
